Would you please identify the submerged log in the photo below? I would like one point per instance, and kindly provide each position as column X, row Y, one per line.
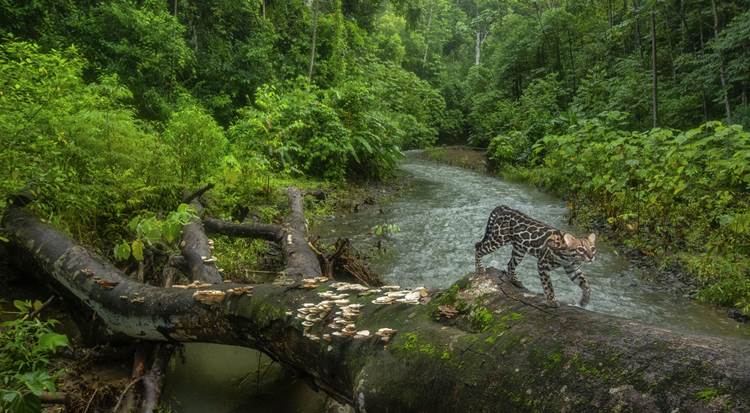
column 500, row 350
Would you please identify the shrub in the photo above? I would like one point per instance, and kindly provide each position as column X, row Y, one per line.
column 26, row 343
column 76, row 145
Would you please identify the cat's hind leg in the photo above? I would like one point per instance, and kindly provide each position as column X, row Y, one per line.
column 487, row 245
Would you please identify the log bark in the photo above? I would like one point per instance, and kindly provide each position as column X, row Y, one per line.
column 270, row 232
column 503, row 352
column 301, row 261
column 196, row 249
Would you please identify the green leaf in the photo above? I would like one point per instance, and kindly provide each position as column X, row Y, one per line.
column 171, row 230
column 30, row 403
column 38, row 305
column 137, row 248
column 37, row 381
column 22, row 306
column 122, row 251
column 51, row 341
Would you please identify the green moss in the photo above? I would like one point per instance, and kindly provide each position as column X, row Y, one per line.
column 707, row 394
column 481, row 318
column 413, row 343
column 448, row 297
column 553, row 360
column 264, row 313
column 427, row 349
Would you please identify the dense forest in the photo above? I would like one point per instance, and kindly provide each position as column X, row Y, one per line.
column 631, row 110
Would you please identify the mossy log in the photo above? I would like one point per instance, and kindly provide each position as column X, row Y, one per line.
column 504, row 351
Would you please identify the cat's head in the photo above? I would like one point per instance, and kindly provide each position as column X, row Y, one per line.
column 584, row 247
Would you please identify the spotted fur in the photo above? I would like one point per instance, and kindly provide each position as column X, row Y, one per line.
column 552, row 248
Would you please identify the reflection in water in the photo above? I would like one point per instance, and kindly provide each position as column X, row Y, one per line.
column 444, row 214
column 226, row 379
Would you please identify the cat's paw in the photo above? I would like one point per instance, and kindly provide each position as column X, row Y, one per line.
column 553, row 304
column 585, row 298
column 515, row 281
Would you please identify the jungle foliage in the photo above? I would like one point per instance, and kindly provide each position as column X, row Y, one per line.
column 100, row 99
column 26, row 345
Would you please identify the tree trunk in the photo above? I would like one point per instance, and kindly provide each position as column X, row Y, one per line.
column 654, row 77
column 270, row 232
column 314, row 39
column 478, row 48
column 704, row 95
column 301, row 261
column 722, row 68
column 427, row 33
column 507, row 352
column 636, row 13
column 572, row 61
column 197, row 251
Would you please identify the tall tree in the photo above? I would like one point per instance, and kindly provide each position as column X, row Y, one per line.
column 654, row 75
column 722, row 67
column 313, row 38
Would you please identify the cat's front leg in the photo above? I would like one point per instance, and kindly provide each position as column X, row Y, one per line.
column 585, row 290
column 549, row 293
column 575, row 275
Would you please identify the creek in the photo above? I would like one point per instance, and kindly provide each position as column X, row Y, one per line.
column 440, row 217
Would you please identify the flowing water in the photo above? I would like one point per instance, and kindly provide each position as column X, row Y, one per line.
column 443, row 214
column 440, row 216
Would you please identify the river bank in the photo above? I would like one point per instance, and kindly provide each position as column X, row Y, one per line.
column 662, row 273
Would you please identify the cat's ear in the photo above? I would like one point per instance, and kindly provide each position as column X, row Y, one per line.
column 592, row 238
column 570, row 241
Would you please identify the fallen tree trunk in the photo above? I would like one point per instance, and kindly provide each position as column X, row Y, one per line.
column 504, row 351
column 196, row 249
column 301, row 261
column 268, row 232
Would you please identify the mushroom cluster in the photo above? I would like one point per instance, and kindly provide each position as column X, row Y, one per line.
column 313, row 282
column 397, row 295
column 385, row 334
column 343, row 321
column 336, row 301
column 194, row 284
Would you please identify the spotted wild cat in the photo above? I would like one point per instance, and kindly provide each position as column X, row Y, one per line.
column 552, row 248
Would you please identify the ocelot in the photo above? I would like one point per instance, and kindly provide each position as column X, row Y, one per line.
column 551, row 247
